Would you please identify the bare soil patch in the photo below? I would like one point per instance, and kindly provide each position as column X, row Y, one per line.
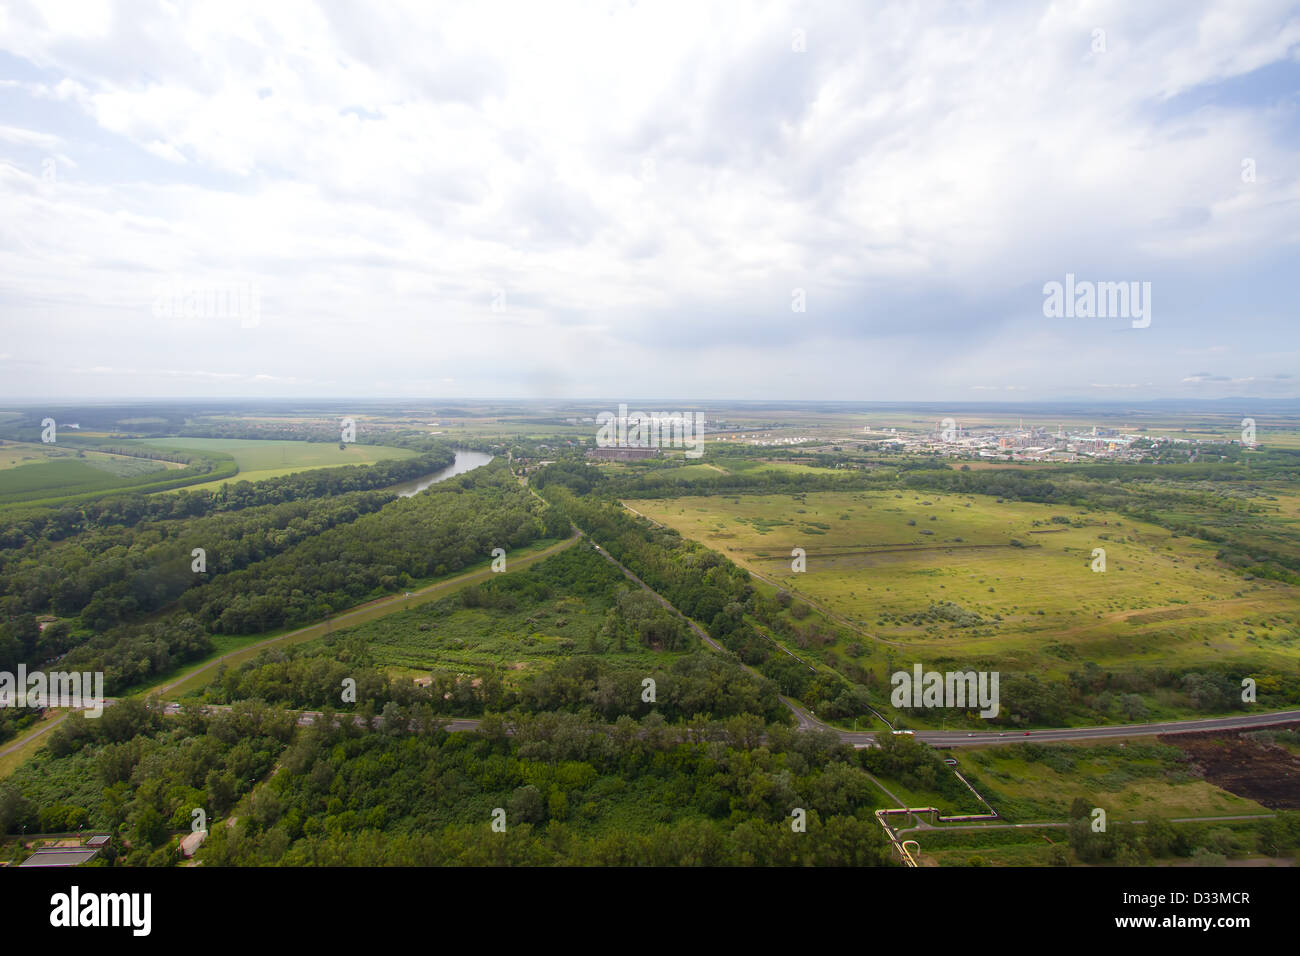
column 1269, row 775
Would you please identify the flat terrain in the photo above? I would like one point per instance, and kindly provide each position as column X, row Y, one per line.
column 35, row 470
column 968, row 577
column 1132, row 780
column 1269, row 774
column 270, row 459
column 202, row 674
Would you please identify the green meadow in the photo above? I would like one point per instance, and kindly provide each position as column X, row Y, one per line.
column 971, row 578
column 1133, row 780
column 536, row 622
column 258, row 459
column 33, row 471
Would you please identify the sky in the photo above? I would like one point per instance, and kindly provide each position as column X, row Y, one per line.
column 834, row 201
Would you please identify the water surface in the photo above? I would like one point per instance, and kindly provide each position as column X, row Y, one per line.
column 465, row 461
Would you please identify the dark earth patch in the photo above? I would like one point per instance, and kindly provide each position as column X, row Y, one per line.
column 1267, row 774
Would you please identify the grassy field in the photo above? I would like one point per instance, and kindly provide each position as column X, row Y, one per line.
column 1135, row 780
column 31, row 470
column 543, row 620
column 442, row 636
column 28, row 742
column 233, row 651
column 692, row 471
column 16, row 454
column 972, row 578
column 271, row 459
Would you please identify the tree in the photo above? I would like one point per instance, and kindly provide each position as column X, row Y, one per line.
column 527, row 805
column 150, row 828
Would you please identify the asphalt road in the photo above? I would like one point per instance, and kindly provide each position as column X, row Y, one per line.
column 950, row 738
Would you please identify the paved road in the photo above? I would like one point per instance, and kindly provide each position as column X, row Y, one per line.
column 32, row 736
column 981, row 739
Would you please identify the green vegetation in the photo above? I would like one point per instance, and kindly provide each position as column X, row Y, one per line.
column 136, row 606
column 568, row 791
column 567, row 634
column 92, row 473
column 257, row 459
column 910, row 558
column 1167, row 630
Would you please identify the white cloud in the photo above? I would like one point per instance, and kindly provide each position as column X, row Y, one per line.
column 382, row 172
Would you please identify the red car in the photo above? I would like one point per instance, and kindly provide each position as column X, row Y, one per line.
column 1026, row 733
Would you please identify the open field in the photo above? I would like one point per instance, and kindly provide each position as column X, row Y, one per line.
column 270, row 459
column 515, row 639
column 30, row 454
column 969, row 578
column 1134, row 780
column 1251, row 765
column 14, row 752
column 30, row 470
column 234, row 651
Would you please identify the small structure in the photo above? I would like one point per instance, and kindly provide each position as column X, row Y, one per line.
column 191, row 842
column 60, row 856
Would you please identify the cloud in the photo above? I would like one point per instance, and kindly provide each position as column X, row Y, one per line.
column 27, row 137
column 646, row 186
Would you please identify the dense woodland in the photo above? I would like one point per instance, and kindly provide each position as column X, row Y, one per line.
column 572, row 791
column 123, row 579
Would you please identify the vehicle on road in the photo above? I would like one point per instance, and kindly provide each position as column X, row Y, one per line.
column 906, row 733
column 950, row 762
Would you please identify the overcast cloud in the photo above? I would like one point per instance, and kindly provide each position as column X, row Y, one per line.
column 590, row 200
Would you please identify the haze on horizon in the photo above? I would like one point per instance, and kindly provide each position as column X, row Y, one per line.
column 578, row 201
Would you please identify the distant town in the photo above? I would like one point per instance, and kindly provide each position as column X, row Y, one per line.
column 1038, row 443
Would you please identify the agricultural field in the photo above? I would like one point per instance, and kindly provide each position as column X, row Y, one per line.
column 968, row 578
column 29, row 469
column 689, row 471
column 258, row 459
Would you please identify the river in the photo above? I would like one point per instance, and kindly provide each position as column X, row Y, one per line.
column 465, row 461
